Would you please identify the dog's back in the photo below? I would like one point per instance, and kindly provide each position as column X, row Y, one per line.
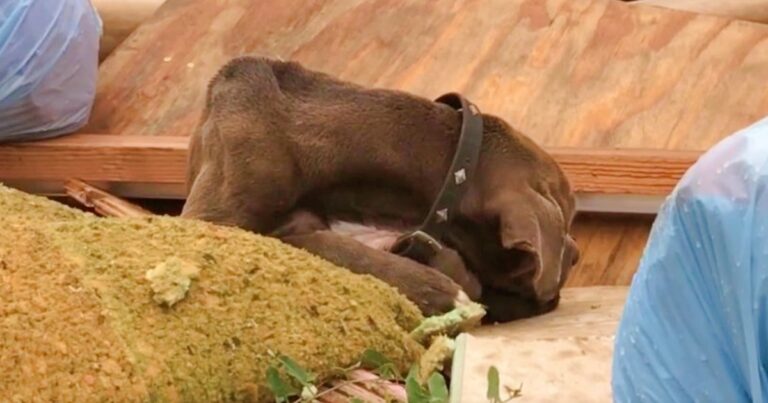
column 333, row 129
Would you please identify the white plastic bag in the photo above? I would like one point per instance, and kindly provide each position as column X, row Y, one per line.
column 694, row 328
column 48, row 66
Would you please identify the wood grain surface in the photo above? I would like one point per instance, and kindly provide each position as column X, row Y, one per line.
column 611, row 247
column 584, row 73
column 568, row 73
column 119, row 18
column 100, row 158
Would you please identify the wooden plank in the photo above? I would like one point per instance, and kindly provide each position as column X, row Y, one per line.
column 624, row 171
column 99, row 158
column 619, row 203
column 163, row 159
column 569, row 73
column 578, row 336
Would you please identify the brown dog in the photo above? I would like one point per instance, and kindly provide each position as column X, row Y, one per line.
column 285, row 151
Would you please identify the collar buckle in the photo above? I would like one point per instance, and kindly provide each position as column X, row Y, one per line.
column 418, row 246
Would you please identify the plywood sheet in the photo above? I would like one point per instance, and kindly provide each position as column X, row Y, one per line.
column 564, row 356
column 566, row 72
column 119, row 18
column 611, row 247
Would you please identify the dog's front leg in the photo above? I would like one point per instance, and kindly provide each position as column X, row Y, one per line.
column 432, row 291
column 449, row 262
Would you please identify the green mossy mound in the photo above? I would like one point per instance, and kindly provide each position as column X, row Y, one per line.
column 79, row 321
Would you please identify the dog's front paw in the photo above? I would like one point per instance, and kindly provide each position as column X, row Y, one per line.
column 450, row 263
column 438, row 295
column 434, row 293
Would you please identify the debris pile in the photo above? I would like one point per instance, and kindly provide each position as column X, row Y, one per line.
column 166, row 309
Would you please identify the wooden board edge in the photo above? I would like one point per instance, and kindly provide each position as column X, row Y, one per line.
column 457, row 368
column 619, row 203
column 122, row 160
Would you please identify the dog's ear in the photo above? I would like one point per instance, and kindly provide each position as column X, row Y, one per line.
column 534, row 228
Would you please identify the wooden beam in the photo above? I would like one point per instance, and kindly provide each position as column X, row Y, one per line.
column 162, row 160
column 637, row 172
column 125, row 163
column 97, row 158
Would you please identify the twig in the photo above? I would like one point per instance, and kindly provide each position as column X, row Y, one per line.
column 104, row 203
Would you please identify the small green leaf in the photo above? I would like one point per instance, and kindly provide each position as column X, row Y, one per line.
column 279, row 388
column 356, row 400
column 372, row 359
column 494, row 392
column 388, row 372
column 415, row 392
column 295, row 370
column 438, row 390
column 380, row 364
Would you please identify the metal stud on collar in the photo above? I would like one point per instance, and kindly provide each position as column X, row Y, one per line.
column 442, row 215
column 460, row 176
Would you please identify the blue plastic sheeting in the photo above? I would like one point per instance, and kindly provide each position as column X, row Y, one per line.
column 694, row 327
column 48, row 65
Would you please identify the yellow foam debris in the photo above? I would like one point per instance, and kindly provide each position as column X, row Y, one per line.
column 79, row 321
column 434, row 359
column 170, row 280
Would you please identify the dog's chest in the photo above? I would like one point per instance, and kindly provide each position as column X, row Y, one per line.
column 371, row 214
column 372, row 235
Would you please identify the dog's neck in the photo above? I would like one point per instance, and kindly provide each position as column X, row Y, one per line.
column 447, row 143
column 496, row 170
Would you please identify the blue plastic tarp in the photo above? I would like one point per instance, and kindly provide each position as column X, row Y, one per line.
column 694, row 327
column 48, row 66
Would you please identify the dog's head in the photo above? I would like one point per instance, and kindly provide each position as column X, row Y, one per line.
column 515, row 234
